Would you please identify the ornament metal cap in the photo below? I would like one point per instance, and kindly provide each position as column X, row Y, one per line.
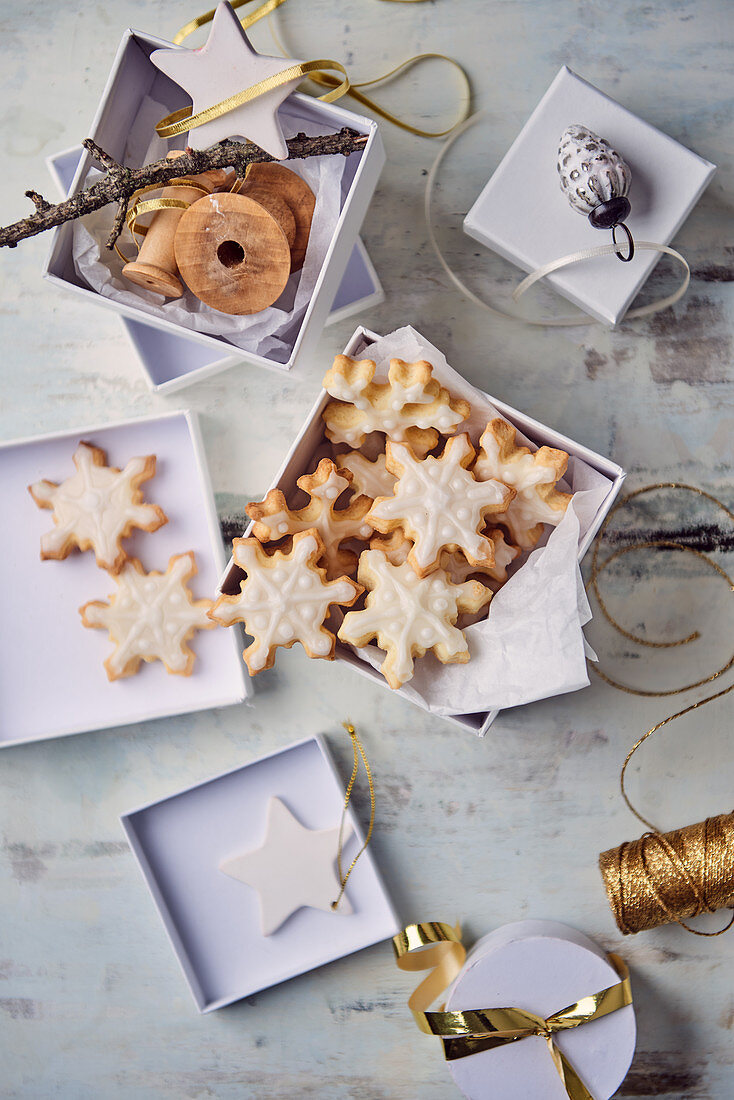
column 595, row 179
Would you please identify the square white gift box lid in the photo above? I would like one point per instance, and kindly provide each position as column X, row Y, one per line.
column 523, row 215
column 213, row 920
column 52, row 677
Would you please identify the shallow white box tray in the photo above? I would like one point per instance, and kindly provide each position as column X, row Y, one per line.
column 212, row 920
column 523, row 215
column 172, row 362
column 52, row 679
column 312, row 436
column 133, row 77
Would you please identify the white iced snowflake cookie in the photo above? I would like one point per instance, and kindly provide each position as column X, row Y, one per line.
column 439, row 505
column 151, row 617
column 369, row 479
column 457, row 568
column 410, row 406
column 97, row 507
column 274, row 519
column 284, row 599
column 396, row 546
column 533, row 476
column 408, row 615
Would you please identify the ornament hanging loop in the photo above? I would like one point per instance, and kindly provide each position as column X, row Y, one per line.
column 630, row 243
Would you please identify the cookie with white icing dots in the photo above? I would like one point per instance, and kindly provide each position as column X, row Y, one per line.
column 151, row 617
column 533, row 476
column 97, row 507
column 284, row 599
column 274, row 520
column 408, row 615
column 369, row 479
column 410, row 406
column 439, row 504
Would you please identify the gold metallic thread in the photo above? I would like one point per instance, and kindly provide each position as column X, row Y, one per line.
column 666, row 544
column 667, row 877
column 359, row 752
column 437, row 947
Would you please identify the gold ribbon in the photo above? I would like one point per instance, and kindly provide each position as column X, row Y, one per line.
column 137, row 209
column 246, row 20
column 437, row 947
column 318, row 72
column 180, row 122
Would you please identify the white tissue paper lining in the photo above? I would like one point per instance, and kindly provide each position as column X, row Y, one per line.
column 270, row 333
column 531, row 646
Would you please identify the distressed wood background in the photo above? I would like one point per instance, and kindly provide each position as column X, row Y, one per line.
column 91, row 998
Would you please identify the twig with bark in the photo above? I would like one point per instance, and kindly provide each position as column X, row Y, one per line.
column 120, row 183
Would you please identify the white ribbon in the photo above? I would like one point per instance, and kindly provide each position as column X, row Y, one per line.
column 546, row 269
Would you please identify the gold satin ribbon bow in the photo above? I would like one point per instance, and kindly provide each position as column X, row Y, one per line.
column 437, row 947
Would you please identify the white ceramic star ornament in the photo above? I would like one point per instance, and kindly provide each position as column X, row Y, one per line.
column 293, row 867
column 228, row 64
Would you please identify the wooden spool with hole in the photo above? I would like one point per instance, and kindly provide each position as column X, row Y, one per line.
column 155, row 268
column 295, row 192
column 232, row 253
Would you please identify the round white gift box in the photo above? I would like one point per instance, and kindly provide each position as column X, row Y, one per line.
column 542, row 967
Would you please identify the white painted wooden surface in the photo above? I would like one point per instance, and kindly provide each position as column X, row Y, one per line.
column 91, row 999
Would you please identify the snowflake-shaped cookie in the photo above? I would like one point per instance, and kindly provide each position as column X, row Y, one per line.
column 151, row 617
column 397, row 546
column 97, row 507
column 410, row 406
column 408, row 615
column 284, row 599
column 274, row 519
column 369, row 479
column 532, row 475
column 457, row 568
column 439, row 504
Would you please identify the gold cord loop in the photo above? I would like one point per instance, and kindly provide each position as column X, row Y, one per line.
column 359, row 752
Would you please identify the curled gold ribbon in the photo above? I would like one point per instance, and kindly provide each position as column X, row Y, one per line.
column 183, row 120
column 319, row 73
column 246, row 20
column 139, row 207
column 326, row 80
column 437, row 947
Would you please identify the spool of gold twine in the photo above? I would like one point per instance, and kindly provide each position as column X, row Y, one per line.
column 664, row 877
column 675, row 876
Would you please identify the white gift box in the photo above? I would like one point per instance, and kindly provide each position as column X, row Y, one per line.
column 43, row 640
column 300, row 460
column 171, row 362
column 133, row 78
column 523, row 215
column 542, row 967
column 213, row 920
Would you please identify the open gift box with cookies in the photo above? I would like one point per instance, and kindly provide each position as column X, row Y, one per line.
column 426, row 534
column 246, row 263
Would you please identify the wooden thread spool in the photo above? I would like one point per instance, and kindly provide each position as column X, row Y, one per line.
column 294, row 191
column 232, row 253
column 155, row 268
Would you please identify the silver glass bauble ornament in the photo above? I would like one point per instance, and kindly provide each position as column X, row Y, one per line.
column 595, row 179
